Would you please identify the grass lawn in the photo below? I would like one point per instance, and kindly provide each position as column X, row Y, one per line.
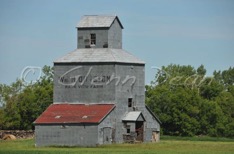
column 166, row 146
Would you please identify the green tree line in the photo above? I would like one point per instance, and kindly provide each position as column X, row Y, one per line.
column 189, row 103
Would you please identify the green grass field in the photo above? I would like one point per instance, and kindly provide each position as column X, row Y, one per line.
column 167, row 145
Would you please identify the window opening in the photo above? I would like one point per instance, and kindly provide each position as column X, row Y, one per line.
column 128, row 129
column 129, row 102
column 93, row 39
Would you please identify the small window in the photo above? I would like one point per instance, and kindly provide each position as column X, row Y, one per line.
column 129, row 102
column 128, row 129
column 92, row 39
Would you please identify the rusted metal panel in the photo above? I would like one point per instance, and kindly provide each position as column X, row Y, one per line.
column 74, row 113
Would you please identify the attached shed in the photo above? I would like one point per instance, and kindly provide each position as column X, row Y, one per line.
column 74, row 124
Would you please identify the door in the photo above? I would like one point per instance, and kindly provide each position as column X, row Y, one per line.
column 155, row 136
column 140, row 130
column 107, row 133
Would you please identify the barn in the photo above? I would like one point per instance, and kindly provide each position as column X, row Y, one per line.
column 99, row 92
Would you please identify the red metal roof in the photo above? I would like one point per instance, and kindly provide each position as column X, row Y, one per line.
column 74, row 113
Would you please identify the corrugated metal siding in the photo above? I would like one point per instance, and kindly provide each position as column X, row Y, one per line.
column 66, row 135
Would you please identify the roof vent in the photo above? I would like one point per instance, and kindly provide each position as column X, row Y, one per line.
column 57, row 117
column 84, row 117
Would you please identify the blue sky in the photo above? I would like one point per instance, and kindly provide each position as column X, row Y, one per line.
column 160, row 32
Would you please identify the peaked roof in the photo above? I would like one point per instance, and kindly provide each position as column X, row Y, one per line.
column 156, row 117
column 94, row 21
column 133, row 116
column 74, row 113
column 99, row 55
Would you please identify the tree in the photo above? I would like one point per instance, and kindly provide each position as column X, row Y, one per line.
column 176, row 108
column 210, row 89
column 201, row 70
column 225, row 77
column 188, row 103
column 24, row 103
